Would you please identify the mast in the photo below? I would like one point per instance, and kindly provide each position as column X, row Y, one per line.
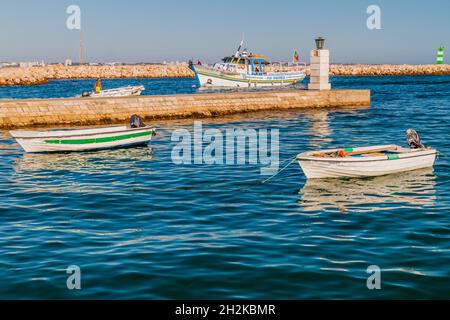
column 238, row 51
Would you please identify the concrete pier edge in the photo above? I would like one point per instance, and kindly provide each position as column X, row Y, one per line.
column 29, row 113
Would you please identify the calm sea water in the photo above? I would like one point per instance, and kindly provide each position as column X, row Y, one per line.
column 141, row 227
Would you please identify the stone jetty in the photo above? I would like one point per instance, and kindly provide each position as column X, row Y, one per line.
column 41, row 75
column 92, row 111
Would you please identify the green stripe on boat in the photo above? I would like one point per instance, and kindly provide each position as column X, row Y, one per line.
column 393, row 157
column 101, row 140
column 348, row 149
column 244, row 80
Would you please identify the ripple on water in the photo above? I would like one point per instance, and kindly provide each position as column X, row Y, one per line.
column 141, row 227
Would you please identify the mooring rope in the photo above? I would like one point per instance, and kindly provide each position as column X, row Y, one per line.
column 257, row 183
column 441, row 155
column 291, row 161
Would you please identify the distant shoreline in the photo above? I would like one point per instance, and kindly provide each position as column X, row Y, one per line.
column 11, row 76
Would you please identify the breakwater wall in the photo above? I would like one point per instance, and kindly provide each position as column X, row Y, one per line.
column 96, row 111
column 41, row 75
column 390, row 70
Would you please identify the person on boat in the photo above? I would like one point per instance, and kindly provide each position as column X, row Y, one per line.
column 98, row 86
column 199, row 62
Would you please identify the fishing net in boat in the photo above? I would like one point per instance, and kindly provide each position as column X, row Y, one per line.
column 136, row 121
column 413, row 139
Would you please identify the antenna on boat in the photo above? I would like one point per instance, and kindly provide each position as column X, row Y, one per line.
column 238, row 51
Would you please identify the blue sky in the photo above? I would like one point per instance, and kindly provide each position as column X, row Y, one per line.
column 154, row 31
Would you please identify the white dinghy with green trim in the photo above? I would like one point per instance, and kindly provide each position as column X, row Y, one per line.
column 83, row 139
column 368, row 161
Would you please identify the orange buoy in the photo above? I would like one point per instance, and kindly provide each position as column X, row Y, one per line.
column 342, row 154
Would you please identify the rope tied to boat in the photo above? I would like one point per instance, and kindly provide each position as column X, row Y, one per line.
column 441, row 155
column 291, row 161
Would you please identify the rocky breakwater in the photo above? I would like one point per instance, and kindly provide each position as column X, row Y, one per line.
column 21, row 76
column 372, row 70
column 389, row 70
column 41, row 75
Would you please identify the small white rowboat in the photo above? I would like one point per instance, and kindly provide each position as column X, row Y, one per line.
column 83, row 140
column 364, row 162
column 118, row 92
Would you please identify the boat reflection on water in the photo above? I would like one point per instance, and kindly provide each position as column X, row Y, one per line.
column 319, row 128
column 110, row 160
column 85, row 173
column 409, row 189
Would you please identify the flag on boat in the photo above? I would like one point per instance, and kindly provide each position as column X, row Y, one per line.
column 296, row 56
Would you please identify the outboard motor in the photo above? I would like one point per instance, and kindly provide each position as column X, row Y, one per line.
column 413, row 139
column 191, row 65
column 136, row 121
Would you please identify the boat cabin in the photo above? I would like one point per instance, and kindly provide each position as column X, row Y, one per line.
column 249, row 64
column 256, row 65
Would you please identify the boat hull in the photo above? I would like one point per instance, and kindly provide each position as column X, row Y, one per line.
column 82, row 140
column 119, row 92
column 366, row 167
column 211, row 78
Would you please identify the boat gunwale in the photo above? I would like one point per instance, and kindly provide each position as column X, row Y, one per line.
column 124, row 88
column 308, row 156
column 250, row 80
column 120, row 90
column 78, row 132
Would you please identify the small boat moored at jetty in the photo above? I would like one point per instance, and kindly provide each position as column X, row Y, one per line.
column 117, row 92
column 248, row 70
column 84, row 139
column 366, row 161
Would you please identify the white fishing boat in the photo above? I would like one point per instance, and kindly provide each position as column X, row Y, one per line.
column 117, row 92
column 248, row 70
column 83, row 139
